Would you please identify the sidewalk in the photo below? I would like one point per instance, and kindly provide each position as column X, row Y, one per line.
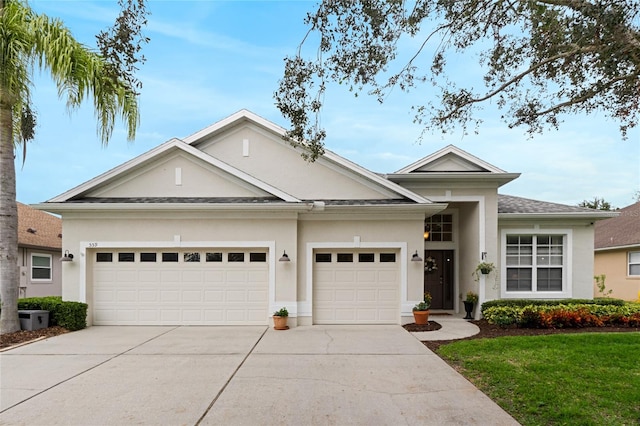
column 452, row 328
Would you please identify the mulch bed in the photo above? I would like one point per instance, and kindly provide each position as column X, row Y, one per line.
column 22, row 336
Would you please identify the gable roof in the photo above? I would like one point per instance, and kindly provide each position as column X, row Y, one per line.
column 37, row 229
column 518, row 207
column 620, row 231
column 329, row 156
column 452, row 164
column 450, row 159
column 173, row 144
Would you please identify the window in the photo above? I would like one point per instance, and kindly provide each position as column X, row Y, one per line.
column 214, row 257
column 345, row 257
column 366, row 257
column 148, row 257
column 439, row 227
column 126, row 257
column 387, row 257
column 235, row 257
column 257, row 257
column 634, row 263
column 169, row 257
column 323, row 257
column 191, row 257
column 104, row 257
column 535, row 263
column 41, row 267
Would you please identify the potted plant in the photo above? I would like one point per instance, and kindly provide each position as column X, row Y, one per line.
column 421, row 310
column 469, row 303
column 483, row 268
column 280, row 319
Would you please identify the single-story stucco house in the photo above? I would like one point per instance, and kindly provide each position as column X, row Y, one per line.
column 617, row 253
column 39, row 253
column 230, row 224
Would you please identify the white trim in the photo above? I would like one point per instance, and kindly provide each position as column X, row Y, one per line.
column 230, row 120
column 567, row 266
column 161, row 149
column 305, row 308
column 176, row 243
column 450, row 149
column 40, row 280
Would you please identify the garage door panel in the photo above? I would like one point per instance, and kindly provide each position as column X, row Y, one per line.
column 354, row 292
column 174, row 293
column 344, row 276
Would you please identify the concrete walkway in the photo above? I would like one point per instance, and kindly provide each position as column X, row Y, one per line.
column 452, row 328
column 319, row 375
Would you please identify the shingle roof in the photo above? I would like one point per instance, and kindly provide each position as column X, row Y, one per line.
column 511, row 204
column 623, row 230
column 38, row 229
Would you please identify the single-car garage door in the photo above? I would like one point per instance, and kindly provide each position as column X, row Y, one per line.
column 356, row 287
column 180, row 287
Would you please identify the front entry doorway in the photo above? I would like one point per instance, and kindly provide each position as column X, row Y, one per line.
column 438, row 277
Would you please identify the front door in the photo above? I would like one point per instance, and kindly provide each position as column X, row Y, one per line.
column 438, row 277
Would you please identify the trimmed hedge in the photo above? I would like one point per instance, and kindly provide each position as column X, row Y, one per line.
column 562, row 314
column 70, row 315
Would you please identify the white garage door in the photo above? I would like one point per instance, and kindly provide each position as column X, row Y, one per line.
column 180, row 287
column 356, row 287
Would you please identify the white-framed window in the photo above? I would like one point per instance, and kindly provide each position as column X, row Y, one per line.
column 40, row 267
column 535, row 264
column 634, row 264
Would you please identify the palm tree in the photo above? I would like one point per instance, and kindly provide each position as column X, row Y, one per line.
column 30, row 41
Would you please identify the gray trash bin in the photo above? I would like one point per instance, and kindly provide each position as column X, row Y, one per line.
column 33, row 319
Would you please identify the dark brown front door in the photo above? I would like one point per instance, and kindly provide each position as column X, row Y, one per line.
column 438, row 277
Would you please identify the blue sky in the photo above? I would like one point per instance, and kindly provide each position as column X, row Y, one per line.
column 209, row 59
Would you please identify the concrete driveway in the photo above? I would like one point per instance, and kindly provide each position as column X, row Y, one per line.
column 320, row 375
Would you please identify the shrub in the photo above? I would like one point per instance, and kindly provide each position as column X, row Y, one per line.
column 70, row 315
column 563, row 314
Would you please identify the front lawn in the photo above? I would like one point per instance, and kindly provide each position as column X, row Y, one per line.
column 568, row 379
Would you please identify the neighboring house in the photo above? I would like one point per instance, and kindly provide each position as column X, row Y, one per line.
column 39, row 252
column 230, row 224
column 617, row 253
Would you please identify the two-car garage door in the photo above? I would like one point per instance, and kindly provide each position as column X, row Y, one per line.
column 180, row 287
column 356, row 287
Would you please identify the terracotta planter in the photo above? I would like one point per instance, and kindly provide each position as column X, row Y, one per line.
column 280, row 323
column 421, row 317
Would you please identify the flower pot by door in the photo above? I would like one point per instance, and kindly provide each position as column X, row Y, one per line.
column 468, row 308
column 421, row 317
column 280, row 323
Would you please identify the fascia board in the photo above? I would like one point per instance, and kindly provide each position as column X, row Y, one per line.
column 612, row 248
column 232, row 120
column 92, row 183
column 549, row 216
column 430, row 208
column 59, row 208
column 450, row 149
column 466, row 177
column 165, row 147
column 375, row 178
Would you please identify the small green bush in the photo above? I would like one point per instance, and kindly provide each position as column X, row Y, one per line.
column 70, row 315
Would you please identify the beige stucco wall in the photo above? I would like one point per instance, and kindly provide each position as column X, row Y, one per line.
column 581, row 270
column 272, row 160
column 364, row 231
column 613, row 263
column 176, row 229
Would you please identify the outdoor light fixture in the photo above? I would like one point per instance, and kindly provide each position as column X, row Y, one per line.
column 416, row 257
column 426, row 235
column 285, row 257
column 68, row 257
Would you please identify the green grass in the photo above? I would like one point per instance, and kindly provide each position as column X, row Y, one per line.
column 562, row 379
